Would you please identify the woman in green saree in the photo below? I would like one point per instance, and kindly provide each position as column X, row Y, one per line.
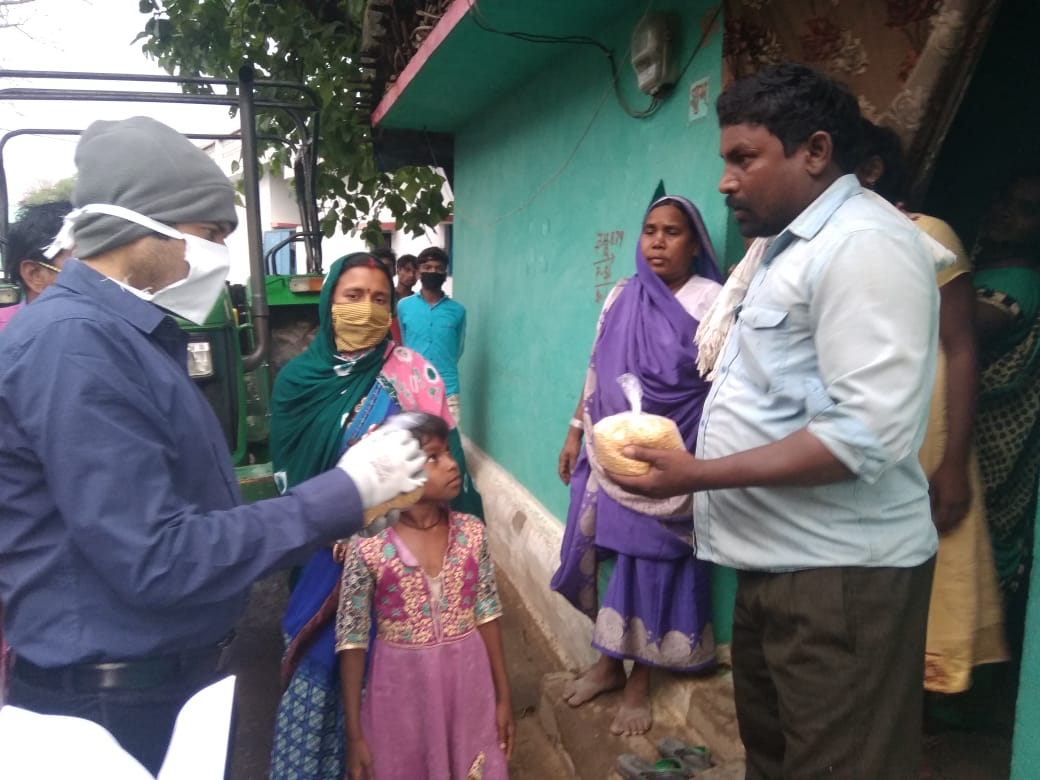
column 352, row 377
column 1007, row 284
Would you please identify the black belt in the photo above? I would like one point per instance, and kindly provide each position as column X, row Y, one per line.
column 138, row 674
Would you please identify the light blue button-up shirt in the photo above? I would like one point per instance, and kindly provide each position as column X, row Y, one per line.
column 837, row 334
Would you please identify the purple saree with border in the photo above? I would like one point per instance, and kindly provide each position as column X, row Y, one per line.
column 656, row 608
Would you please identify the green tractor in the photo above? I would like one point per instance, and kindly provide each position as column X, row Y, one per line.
column 252, row 330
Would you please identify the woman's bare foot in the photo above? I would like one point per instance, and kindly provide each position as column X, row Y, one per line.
column 607, row 674
column 634, row 716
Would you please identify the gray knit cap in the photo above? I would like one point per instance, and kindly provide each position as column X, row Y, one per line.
column 147, row 167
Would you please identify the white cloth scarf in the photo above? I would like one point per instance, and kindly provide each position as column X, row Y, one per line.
column 715, row 326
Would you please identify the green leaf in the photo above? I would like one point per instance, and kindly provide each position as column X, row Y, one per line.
column 328, row 223
column 288, row 40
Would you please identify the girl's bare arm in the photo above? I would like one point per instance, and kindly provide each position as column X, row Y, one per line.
column 351, row 672
column 492, row 636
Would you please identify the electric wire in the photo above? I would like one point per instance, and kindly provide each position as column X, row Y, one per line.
column 581, row 40
column 705, row 32
column 461, row 217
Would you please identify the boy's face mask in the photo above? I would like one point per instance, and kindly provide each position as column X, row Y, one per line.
column 358, row 326
column 432, row 280
column 192, row 297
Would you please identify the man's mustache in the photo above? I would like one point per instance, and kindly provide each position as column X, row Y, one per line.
column 732, row 203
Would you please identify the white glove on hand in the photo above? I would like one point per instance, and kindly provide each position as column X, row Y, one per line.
column 383, row 465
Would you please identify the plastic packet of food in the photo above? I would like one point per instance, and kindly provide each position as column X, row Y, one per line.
column 379, row 517
column 612, row 434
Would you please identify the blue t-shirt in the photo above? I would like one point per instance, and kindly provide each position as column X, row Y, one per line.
column 436, row 332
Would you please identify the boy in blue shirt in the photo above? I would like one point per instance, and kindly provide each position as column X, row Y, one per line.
column 434, row 325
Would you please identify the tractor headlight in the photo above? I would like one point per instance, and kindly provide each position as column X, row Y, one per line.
column 200, row 360
column 9, row 294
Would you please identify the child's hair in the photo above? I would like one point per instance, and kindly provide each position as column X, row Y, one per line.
column 424, row 427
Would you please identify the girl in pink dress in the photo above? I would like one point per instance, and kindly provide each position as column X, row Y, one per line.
column 436, row 704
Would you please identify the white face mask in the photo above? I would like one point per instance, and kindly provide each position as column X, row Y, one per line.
column 192, row 297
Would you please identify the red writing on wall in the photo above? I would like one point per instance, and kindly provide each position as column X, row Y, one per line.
column 698, row 98
column 603, row 265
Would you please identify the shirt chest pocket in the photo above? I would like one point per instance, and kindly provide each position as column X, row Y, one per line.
column 445, row 327
column 764, row 345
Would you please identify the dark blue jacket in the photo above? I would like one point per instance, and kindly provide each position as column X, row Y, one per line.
column 122, row 533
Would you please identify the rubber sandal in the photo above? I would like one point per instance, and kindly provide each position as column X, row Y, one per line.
column 632, row 767
column 695, row 758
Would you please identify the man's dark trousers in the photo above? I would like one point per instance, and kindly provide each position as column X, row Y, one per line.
column 828, row 671
column 141, row 717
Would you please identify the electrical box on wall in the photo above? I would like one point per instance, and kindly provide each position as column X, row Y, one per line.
column 654, row 48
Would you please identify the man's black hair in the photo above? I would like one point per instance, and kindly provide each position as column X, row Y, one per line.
column 385, row 253
column 884, row 143
column 434, row 253
column 34, row 228
column 407, row 261
column 792, row 102
column 1024, row 172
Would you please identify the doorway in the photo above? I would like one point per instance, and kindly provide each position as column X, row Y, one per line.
column 992, row 137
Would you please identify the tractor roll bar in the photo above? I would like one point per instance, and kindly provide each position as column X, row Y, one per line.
column 247, row 95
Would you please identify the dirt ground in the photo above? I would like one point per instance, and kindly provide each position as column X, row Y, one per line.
column 257, row 654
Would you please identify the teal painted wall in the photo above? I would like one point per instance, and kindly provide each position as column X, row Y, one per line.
column 1025, row 756
column 539, row 177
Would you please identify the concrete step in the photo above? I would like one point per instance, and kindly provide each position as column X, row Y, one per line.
column 705, row 705
column 584, row 732
column 559, row 742
column 528, row 658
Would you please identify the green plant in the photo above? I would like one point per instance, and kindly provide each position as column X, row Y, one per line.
column 311, row 42
column 49, row 192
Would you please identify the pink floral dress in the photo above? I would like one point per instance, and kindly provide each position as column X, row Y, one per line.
column 429, row 704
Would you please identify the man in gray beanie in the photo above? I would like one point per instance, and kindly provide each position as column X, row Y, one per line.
column 125, row 552
column 143, row 165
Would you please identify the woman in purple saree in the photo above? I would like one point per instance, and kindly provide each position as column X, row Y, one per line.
column 656, row 609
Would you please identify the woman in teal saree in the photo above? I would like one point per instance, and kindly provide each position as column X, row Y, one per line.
column 352, row 377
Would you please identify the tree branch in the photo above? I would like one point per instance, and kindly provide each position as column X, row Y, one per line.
column 5, row 6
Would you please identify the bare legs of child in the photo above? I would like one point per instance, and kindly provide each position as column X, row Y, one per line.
column 634, row 716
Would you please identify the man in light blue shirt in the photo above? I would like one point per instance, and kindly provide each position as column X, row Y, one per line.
column 434, row 325
column 806, row 478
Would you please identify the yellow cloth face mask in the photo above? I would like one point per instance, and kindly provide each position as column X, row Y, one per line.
column 358, row 326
